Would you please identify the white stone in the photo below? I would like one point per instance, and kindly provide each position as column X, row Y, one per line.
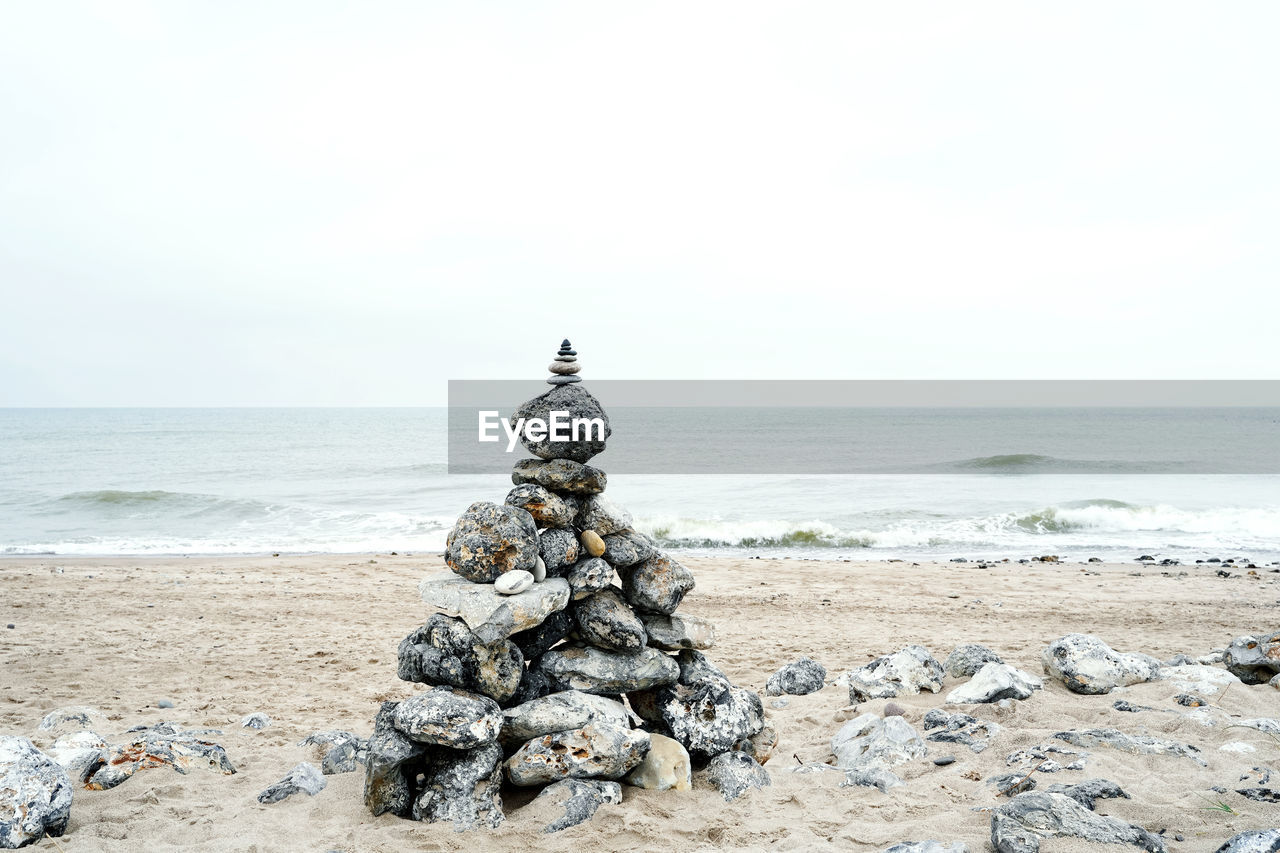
column 870, row 742
column 513, row 582
column 539, row 571
column 1237, row 746
column 1198, row 679
column 995, row 681
column 490, row 615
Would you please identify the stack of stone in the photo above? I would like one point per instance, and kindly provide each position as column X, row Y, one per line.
column 558, row 658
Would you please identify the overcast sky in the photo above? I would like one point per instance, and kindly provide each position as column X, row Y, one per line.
column 347, row 204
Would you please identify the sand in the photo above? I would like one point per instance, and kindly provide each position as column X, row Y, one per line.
column 312, row 640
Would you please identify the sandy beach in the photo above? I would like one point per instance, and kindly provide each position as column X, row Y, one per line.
column 311, row 641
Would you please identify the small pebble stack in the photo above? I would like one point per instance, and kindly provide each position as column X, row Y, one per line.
column 557, row 628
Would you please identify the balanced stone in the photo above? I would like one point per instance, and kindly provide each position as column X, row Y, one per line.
column 305, row 778
column 967, row 659
column 576, row 404
column 392, row 764
column 558, row 548
column 513, row 582
column 657, row 585
column 666, row 766
column 539, row 570
column 995, row 681
column 445, row 651
column 904, row 672
column 35, row 794
column 798, row 679
column 463, row 788
column 490, row 615
column 1254, row 659
column 1087, row 665
column 547, row 508
column 606, row 622
column 627, row 548
column 589, row 576
column 733, row 773
column 557, row 712
column 675, row 632
column 596, row 750
column 560, row 475
column 447, row 716
column 592, row 542
column 600, row 514
column 576, row 799
column 565, row 368
column 607, row 673
column 489, row 539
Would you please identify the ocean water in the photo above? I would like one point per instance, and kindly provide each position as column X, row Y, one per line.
column 247, row 481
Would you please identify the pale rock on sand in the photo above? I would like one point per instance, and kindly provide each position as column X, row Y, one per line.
column 1019, row 825
column 256, row 721
column 733, row 773
column 305, row 778
column 665, row 766
column 1087, row 665
column 163, row 744
column 869, row 747
column 577, row 799
column 81, row 753
column 1134, row 744
column 928, row 847
column 995, row 681
column 73, row 719
column 1196, row 678
column 337, row 751
column 35, row 794
column 959, row 728
column 902, row 673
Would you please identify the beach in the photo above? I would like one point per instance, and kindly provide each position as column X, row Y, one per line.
column 311, row 641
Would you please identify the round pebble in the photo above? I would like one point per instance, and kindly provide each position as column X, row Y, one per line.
column 513, row 582
column 539, row 571
column 11, row 626
column 563, row 380
column 893, row 709
column 944, row 760
column 592, row 542
column 164, row 703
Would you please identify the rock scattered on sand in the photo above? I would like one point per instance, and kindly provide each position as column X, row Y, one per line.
column 1087, row 665
column 665, row 766
column 930, row 846
column 161, row 745
column 965, row 660
column 337, row 751
column 35, row 794
column 1253, row 841
column 870, row 742
column 577, row 799
column 256, row 721
column 944, row 727
column 733, row 773
column 1086, row 793
column 1019, row 825
column 902, row 673
column 1254, row 659
column 995, row 681
column 801, row 678
column 81, row 753
column 305, row 778
column 72, row 719
column 1260, row 795
column 1133, row 744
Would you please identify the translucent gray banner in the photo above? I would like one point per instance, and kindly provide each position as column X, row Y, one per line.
column 893, row 427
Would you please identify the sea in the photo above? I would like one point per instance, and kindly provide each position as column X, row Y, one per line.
column 363, row 480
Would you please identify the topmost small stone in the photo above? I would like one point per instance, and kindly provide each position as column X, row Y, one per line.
column 565, row 368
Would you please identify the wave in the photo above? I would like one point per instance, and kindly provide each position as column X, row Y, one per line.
column 1038, row 463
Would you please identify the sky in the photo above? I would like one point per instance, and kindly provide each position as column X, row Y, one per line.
column 317, row 203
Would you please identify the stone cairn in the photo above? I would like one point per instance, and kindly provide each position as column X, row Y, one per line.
column 558, row 658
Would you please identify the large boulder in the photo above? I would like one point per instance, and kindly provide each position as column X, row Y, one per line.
column 995, row 681
column 607, row 622
column 1254, row 659
column 35, row 794
column 905, row 672
column 547, row 508
column 463, row 788
column 598, row 750
column 447, row 716
column 574, row 403
column 594, row 670
column 1089, row 666
column 445, row 651
column 657, row 585
column 560, row 475
column 557, row 712
column 707, row 717
column 490, row 539
column 490, row 615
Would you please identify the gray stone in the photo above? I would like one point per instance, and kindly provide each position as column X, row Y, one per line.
column 82, row 753
column 160, row 745
column 563, row 380
column 676, row 632
column 967, row 659
column 256, row 721
column 1011, row 784
column 489, row 539
column 492, row 616
column 734, row 773
column 902, row 673
column 1019, row 825
column 1254, row 659
column 958, row 728
column 600, row 514
column 598, row 750
column 1260, row 795
column 560, row 475
column 760, row 745
column 35, row 794
column 445, row 651
column 463, row 788
column 870, row 742
column 801, row 678
column 447, row 716
column 514, row 582
column 881, row 780
column 1087, row 665
column 576, row 799
column 666, row 766
column 657, row 585
column 337, row 751
column 929, row 846
column 707, row 717
column 1086, row 793
column 392, row 765
column 695, row 668
column 1133, row 744
column 608, row 673
column 565, row 368
column 628, row 548
column 1252, row 841
column 995, row 681
column 72, row 719
column 306, row 778
column 607, row 622
column 578, row 404
column 559, row 549
column 558, row 712
column 547, row 508
column 535, row 641
column 588, row 576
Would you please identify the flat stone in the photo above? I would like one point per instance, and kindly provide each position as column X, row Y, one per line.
column 565, row 368
column 1019, row 825
column 627, row 547
column 607, row 673
column 1087, row 665
column 576, row 800
column 1254, row 659
column 559, row 549
column 596, row 750
column 337, row 751
column 577, row 404
column 734, row 773
column 35, row 794
column 161, row 745
column 305, row 778
column 489, row 539
column 563, row 380
column 1133, row 744
column 607, row 622
column 588, row 576
column 463, row 788
column 676, row 632
column 965, row 660
column 666, row 766
column 870, row 742
column 600, row 514
column 557, row 712
column 492, row 616
column 995, row 681
column 513, row 582
column 447, row 716
column 445, row 651
column 657, row 585
column 392, row 765
column 801, row 678
column 547, row 508
column 905, row 672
